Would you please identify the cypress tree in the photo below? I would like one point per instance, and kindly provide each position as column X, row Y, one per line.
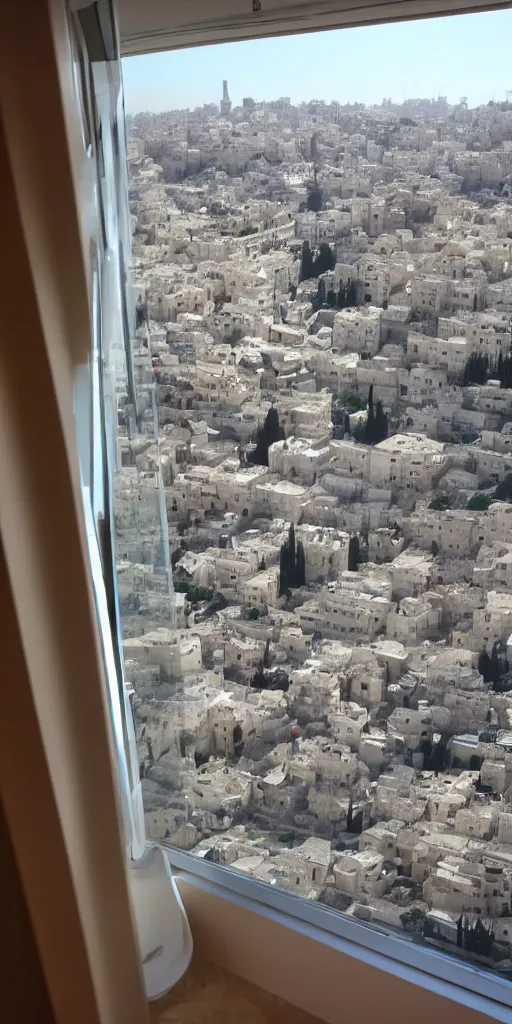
column 315, row 199
column 292, row 563
column 266, row 656
column 300, row 565
column 351, row 294
column 306, row 263
column 495, row 663
column 380, row 423
column 485, row 666
column 258, row 680
column 369, row 430
column 476, row 370
column 268, row 434
column 349, row 815
column 503, row 491
column 291, row 552
column 284, row 582
column 324, row 261
column 354, row 553
column 507, row 383
column 340, row 302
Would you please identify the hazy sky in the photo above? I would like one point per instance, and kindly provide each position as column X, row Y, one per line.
column 467, row 55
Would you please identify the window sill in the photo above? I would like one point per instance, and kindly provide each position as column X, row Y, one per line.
column 295, row 948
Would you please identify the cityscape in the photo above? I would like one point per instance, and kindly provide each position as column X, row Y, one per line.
column 314, row 517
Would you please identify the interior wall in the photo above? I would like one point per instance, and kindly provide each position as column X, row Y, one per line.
column 307, row 973
column 24, row 994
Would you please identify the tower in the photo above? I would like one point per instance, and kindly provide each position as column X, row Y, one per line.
column 225, row 103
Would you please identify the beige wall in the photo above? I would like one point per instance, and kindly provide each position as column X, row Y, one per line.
column 313, row 976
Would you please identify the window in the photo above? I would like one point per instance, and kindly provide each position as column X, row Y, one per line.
column 190, row 172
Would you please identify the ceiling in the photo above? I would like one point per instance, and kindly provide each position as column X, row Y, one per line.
column 150, row 25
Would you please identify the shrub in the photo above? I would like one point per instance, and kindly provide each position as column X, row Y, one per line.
column 479, row 502
column 413, row 920
column 193, row 591
column 351, row 402
column 440, row 503
column 503, row 491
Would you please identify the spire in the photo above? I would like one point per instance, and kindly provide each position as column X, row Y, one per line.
column 225, row 103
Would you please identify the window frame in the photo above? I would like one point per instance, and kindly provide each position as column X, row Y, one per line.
column 144, row 28
column 374, row 944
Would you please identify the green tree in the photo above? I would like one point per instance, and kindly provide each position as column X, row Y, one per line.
column 496, row 668
column 354, row 553
column 350, row 815
column 266, row 655
column 258, row 680
column 324, row 261
column 369, row 428
column 197, row 593
column 413, row 920
column 292, row 563
column 479, row 502
column 475, row 936
column 477, row 369
column 503, row 491
column 485, row 666
column 306, row 263
column 352, row 402
column 253, row 613
column 268, row 434
column 380, row 424
column 300, row 565
column 140, row 314
column 351, row 294
column 314, row 202
column 440, row 503
column 285, row 582
column 504, row 370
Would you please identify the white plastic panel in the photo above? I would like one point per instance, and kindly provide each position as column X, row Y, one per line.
column 150, row 25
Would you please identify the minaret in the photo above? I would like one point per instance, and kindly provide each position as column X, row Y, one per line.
column 225, row 103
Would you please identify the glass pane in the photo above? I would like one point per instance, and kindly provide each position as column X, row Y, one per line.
column 313, row 477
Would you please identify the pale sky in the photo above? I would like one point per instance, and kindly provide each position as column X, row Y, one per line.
column 468, row 55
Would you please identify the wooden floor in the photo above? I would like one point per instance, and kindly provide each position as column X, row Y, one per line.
column 209, row 995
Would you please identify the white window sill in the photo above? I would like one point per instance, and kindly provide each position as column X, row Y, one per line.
column 442, row 975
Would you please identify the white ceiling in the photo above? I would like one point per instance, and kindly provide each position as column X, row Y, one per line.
column 150, row 25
